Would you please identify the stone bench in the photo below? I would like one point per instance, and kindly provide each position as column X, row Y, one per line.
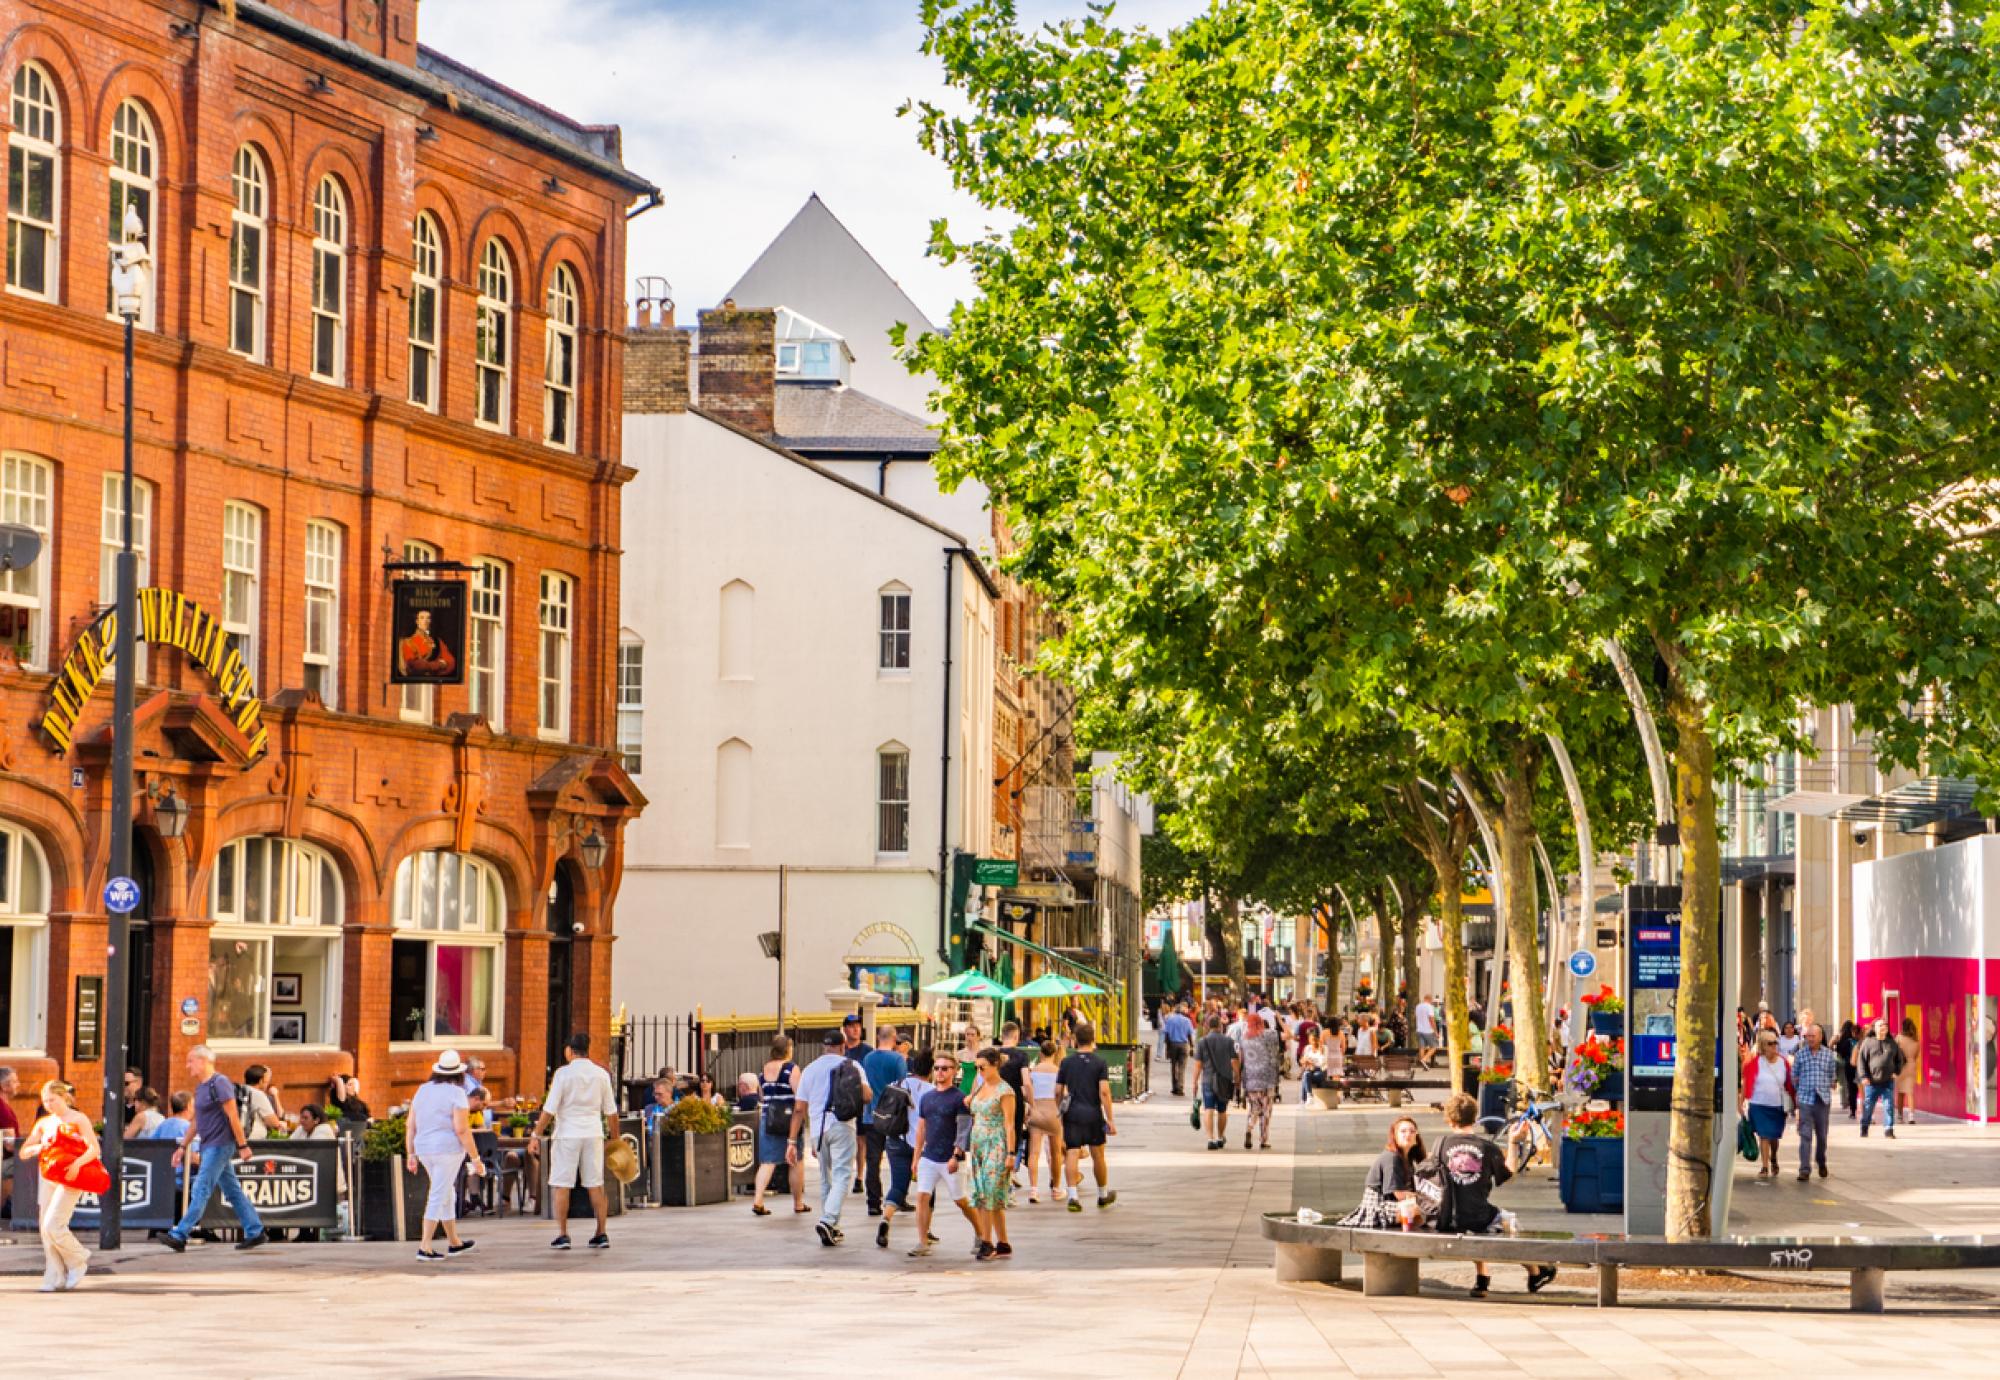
column 1390, row 1259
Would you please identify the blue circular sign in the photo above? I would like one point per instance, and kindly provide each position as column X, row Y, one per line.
column 121, row 895
column 1583, row 963
column 189, row 1006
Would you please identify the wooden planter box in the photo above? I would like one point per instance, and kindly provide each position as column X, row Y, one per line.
column 1590, row 1174
column 382, row 1183
column 695, row 1169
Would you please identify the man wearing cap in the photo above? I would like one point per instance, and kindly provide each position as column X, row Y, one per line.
column 852, row 1046
column 581, row 1107
column 832, row 1098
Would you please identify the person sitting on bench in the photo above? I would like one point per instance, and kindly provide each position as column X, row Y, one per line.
column 1468, row 1167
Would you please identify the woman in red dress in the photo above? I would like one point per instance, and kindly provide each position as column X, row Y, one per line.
column 71, row 1167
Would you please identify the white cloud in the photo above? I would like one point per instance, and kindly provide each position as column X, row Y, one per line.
column 741, row 110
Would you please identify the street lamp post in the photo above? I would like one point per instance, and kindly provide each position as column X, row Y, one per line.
column 131, row 266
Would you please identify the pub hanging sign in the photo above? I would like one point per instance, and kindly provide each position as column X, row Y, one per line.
column 428, row 647
column 166, row 619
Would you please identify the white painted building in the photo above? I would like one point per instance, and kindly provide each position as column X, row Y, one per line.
column 809, row 673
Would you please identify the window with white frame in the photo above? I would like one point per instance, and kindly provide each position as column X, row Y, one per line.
column 111, row 540
column 894, row 648
column 419, row 701
column 631, row 699
column 251, row 188
column 34, row 183
column 25, row 485
column 329, row 282
column 24, row 940
column 242, row 560
column 492, row 368
column 444, row 981
column 557, row 595
column 274, row 958
column 426, row 277
column 322, row 656
column 134, row 182
column 488, row 662
column 892, row 799
column 559, row 361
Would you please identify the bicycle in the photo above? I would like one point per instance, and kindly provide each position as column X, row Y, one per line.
column 1540, row 1139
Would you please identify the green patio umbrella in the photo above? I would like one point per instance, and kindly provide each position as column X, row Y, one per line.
column 970, row 983
column 1054, row 985
column 1168, row 971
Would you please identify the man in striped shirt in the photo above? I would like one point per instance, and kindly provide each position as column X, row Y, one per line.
column 1814, row 1073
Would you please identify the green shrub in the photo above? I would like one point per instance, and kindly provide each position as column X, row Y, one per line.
column 702, row 1118
column 383, row 1141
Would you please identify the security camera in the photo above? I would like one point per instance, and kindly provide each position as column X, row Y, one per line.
column 1860, row 838
column 576, row 927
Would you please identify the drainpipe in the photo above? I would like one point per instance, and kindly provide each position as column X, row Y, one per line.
column 944, row 769
column 882, row 476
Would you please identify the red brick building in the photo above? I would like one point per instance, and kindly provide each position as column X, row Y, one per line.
column 384, row 324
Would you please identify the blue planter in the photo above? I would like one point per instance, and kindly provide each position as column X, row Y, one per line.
column 1590, row 1174
column 1612, row 1089
column 1493, row 1100
column 1503, row 1050
column 1607, row 1024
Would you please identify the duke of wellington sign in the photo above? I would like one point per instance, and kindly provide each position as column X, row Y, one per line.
column 166, row 619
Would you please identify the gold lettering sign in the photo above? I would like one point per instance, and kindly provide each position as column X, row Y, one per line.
column 166, row 619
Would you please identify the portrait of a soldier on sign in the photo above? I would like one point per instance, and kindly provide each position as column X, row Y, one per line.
column 429, row 622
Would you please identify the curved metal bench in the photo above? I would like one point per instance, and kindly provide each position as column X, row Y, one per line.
column 1390, row 1259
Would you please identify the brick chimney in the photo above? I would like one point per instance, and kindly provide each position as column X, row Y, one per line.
column 387, row 28
column 656, row 363
column 737, row 367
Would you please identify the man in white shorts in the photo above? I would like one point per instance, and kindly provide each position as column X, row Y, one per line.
column 584, row 1112
column 943, row 1124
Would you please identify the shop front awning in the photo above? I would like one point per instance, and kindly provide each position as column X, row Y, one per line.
column 1910, row 807
column 1063, row 962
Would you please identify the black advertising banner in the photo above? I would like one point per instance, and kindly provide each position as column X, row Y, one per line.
column 151, row 1198
column 87, row 1039
column 427, row 646
column 292, row 1183
column 1653, row 984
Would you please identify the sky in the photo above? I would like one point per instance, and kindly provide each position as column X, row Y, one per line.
column 741, row 109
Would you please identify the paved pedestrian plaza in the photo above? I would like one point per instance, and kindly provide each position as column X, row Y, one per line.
column 1174, row 1280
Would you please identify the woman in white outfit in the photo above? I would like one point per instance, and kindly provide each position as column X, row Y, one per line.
column 66, row 1143
column 438, row 1134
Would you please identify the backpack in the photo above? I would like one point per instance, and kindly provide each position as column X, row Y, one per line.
column 843, row 1098
column 892, row 1111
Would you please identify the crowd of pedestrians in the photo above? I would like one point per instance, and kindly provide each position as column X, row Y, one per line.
column 1792, row 1075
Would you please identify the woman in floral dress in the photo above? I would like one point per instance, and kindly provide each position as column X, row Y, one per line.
column 992, row 1156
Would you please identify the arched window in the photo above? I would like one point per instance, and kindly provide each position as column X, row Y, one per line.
column 26, row 483
column 486, row 672
column 893, row 652
column 892, row 799
column 559, row 362
column 737, row 642
column 134, row 181
column 34, row 183
column 251, row 187
column 732, row 794
column 444, row 968
column 426, row 275
column 492, row 327
column 24, row 947
column 274, row 951
column 631, row 698
column 329, row 282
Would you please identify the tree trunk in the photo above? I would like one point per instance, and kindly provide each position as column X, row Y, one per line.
column 1516, row 830
column 1451, row 921
column 1332, row 958
column 1413, row 907
column 1691, row 1138
column 1230, row 941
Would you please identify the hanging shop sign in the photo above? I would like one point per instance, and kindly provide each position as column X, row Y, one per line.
column 166, row 619
column 428, row 647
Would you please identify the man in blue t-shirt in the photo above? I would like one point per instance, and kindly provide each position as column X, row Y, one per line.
column 943, row 1131
column 882, row 1066
column 1177, row 1034
column 223, row 1141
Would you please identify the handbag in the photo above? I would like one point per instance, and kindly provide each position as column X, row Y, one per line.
column 59, row 1164
column 1746, row 1141
column 1194, row 1114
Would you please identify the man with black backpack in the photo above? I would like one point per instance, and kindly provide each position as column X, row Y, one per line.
column 833, row 1095
column 884, row 1069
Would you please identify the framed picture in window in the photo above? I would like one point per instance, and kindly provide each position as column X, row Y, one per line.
column 287, row 989
column 288, row 1030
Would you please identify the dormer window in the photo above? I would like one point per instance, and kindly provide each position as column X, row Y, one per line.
column 788, row 359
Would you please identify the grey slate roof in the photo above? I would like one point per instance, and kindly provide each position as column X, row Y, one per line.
column 824, row 418
column 599, row 141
